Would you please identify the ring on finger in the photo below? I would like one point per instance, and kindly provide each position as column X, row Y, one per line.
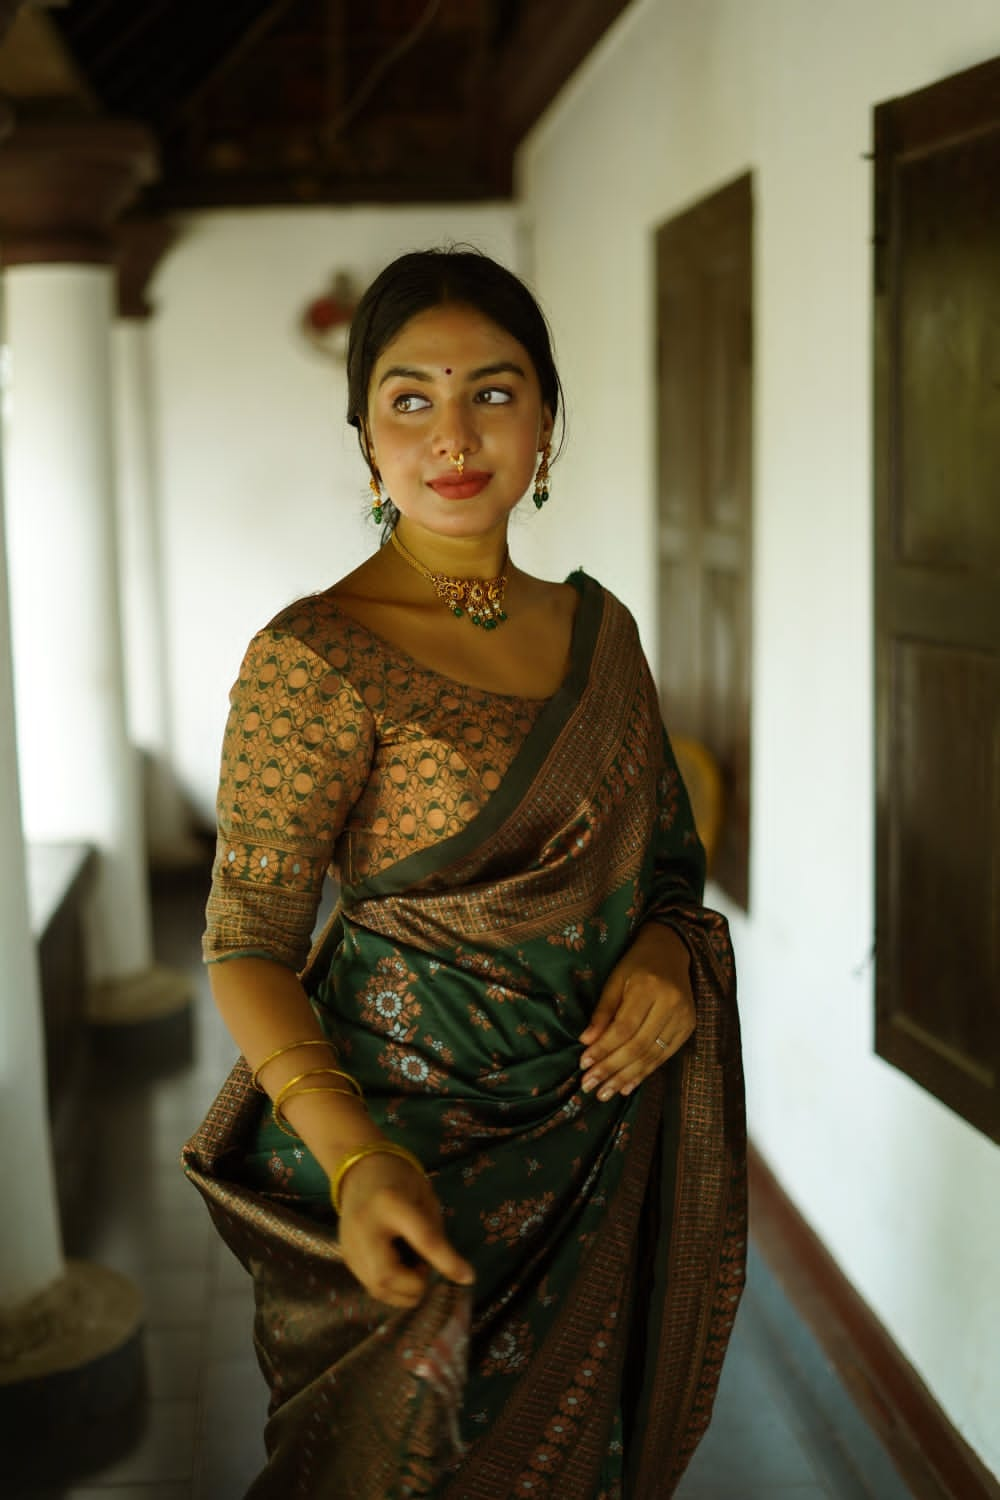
column 661, row 1043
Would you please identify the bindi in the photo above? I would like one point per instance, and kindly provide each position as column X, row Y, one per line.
column 447, row 369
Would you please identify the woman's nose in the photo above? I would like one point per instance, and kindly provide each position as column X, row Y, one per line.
column 456, row 432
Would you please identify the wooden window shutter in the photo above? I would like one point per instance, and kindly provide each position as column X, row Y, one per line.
column 937, row 589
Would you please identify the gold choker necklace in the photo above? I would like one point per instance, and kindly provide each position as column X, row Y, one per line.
column 479, row 598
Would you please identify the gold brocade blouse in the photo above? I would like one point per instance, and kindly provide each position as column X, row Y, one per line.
column 340, row 752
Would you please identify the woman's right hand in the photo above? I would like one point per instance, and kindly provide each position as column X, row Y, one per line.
column 384, row 1199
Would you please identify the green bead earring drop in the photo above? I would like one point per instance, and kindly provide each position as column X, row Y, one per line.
column 541, row 492
column 377, row 508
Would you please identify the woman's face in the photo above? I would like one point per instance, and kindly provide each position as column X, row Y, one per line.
column 452, row 381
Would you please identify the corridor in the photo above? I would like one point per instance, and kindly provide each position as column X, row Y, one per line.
column 763, row 236
column 772, row 1437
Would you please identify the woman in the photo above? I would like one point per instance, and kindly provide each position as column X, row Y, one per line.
column 494, row 1204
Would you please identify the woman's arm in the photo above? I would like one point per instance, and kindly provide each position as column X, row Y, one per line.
column 383, row 1199
column 265, row 1009
column 296, row 756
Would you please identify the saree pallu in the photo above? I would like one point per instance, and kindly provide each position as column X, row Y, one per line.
column 608, row 1239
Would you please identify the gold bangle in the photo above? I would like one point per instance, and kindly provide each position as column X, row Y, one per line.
column 313, row 1073
column 314, row 1041
column 383, row 1148
column 319, row 1088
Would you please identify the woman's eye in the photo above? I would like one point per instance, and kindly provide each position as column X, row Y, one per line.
column 409, row 402
column 494, row 395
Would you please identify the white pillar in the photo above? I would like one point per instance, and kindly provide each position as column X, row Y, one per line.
column 31, row 1257
column 168, row 824
column 62, row 186
column 57, row 1320
column 78, row 770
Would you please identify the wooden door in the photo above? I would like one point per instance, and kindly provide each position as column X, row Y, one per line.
column 937, row 601
column 704, row 400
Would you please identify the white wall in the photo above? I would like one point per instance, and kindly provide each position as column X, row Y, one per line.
column 678, row 100
column 263, row 490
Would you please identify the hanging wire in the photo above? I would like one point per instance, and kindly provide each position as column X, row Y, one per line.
column 368, row 85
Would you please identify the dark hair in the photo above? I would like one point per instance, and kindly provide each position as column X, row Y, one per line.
column 423, row 279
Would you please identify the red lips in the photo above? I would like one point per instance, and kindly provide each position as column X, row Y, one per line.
column 460, row 486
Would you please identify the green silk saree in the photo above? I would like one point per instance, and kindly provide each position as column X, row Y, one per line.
column 608, row 1239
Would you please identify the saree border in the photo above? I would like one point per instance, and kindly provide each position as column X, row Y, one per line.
column 464, row 891
column 609, row 1262
column 537, row 746
column 703, row 1213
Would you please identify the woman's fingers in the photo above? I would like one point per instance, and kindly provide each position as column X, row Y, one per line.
column 385, row 1274
column 638, row 1001
column 391, row 1242
column 605, row 1009
column 629, row 1062
column 652, row 1022
column 371, row 1256
column 427, row 1240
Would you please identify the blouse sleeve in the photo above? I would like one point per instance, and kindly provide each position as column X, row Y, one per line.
column 296, row 754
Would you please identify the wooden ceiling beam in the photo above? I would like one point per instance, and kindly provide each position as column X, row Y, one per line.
column 444, row 131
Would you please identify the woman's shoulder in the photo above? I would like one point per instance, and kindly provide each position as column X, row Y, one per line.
column 318, row 622
column 313, row 633
column 590, row 588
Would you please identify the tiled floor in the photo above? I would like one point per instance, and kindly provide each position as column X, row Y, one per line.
column 769, row 1439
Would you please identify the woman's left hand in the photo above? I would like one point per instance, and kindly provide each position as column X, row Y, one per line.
column 645, row 1014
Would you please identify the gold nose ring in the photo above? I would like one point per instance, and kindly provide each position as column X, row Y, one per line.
column 458, row 459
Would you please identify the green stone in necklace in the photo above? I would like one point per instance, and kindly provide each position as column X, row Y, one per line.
column 481, row 599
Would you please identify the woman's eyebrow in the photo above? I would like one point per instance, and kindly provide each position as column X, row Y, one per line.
column 407, row 372
column 502, row 367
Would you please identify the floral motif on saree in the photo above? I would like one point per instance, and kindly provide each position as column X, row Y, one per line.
column 490, row 881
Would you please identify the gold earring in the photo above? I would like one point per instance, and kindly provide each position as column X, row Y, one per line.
column 377, row 507
column 541, row 493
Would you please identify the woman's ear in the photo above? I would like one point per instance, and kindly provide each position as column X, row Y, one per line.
column 367, row 449
column 546, row 428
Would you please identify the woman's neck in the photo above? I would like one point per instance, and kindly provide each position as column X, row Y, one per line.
column 458, row 557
